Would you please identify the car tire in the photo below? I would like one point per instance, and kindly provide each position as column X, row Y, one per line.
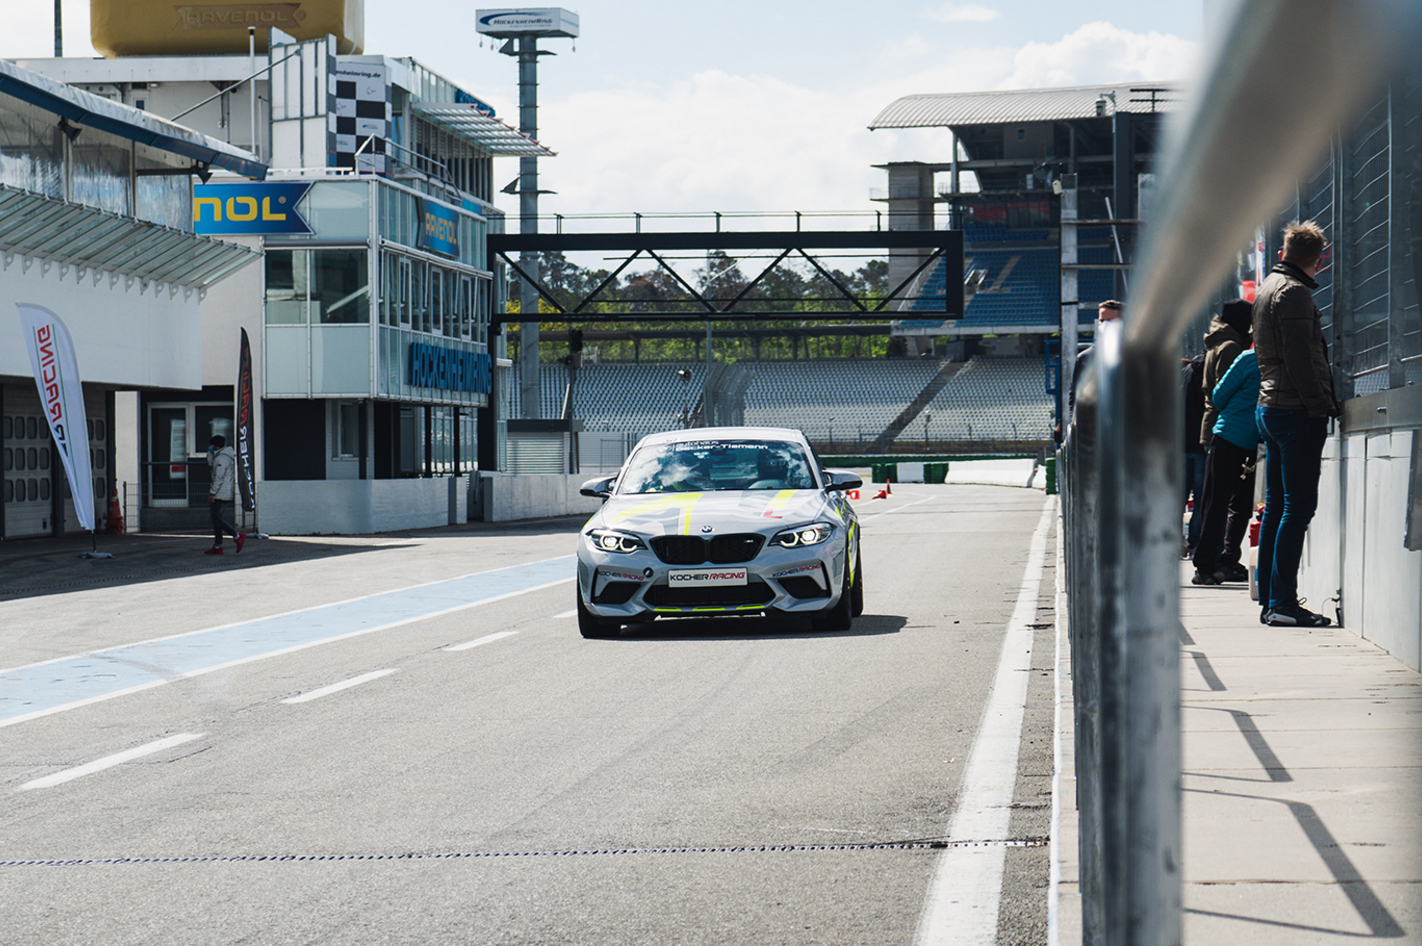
column 857, row 591
column 593, row 627
column 841, row 616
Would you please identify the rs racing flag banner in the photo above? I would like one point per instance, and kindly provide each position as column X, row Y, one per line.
column 57, row 377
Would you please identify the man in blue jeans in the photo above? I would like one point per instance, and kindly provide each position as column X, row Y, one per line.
column 1296, row 399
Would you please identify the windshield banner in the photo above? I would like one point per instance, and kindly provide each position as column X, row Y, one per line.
column 57, row 377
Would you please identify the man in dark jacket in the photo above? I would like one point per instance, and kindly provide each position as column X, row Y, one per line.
column 1296, row 399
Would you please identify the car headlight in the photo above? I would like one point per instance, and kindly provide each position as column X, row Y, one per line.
column 606, row 540
column 804, row 535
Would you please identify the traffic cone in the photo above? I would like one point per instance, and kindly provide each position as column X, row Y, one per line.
column 113, row 524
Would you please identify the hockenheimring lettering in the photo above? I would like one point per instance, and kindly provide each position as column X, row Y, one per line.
column 450, row 369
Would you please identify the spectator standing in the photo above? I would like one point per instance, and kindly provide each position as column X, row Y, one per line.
column 1229, row 475
column 223, row 464
column 1296, row 400
column 1108, row 311
column 1229, row 334
column 1193, row 395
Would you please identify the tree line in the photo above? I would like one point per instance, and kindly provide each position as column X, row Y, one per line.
column 798, row 289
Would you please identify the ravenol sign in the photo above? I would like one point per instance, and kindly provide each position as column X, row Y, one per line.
column 448, row 369
column 439, row 228
column 264, row 208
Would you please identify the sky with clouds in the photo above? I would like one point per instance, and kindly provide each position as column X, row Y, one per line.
column 747, row 105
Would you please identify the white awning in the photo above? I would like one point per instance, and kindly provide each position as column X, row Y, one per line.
column 472, row 124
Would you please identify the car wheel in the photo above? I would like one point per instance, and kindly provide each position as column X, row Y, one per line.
column 841, row 616
column 857, row 591
column 593, row 627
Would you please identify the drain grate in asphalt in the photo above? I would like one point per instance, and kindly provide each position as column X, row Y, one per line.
column 923, row 845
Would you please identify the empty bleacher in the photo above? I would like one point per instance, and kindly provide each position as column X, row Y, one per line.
column 993, row 399
column 846, row 401
column 840, row 404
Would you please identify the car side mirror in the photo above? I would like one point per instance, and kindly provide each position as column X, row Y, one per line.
column 602, row 487
column 840, row 480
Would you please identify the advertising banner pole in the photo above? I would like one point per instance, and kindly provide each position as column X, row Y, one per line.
column 62, row 396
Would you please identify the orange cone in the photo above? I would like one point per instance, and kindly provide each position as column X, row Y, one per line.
column 113, row 524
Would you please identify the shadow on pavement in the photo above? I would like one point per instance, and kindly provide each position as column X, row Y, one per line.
column 35, row 567
column 755, row 628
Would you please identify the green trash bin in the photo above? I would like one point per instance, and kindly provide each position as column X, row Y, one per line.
column 884, row 472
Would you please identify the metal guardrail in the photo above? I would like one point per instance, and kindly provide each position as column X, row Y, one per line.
column 1287, row 75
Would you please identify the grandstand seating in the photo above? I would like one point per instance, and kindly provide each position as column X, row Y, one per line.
column 842, row 400
column 1022, row 286
column 847, row 402
column 991, row 399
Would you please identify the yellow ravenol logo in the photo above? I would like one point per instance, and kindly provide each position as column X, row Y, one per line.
column 239, row 16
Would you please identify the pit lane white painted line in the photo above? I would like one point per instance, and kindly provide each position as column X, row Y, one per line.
column 566, row 614
column 486, row 639
column 52, row 686
column 965, row 894
column 108, row 762
column 338, row 687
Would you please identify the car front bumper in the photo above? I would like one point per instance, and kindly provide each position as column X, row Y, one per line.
column 635, row 585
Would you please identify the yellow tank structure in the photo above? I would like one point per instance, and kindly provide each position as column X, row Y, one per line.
column 212, row 27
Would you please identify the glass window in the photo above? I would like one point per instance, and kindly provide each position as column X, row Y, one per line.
column 465, row 289
column 211, row 420
column 286, row 275
column 419, row 297
column 100, row 172
column 437, row 308
column 706, row 465
column 403, row 288
column 348, row 430
column 340, row 286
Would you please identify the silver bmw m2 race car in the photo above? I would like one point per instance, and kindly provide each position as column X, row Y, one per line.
column 720, row 521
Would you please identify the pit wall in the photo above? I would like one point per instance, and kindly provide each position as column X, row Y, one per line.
column 360, row 507
column 505, row 498
column 1355, row 547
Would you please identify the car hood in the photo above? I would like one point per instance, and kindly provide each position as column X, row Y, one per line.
column 728, row 511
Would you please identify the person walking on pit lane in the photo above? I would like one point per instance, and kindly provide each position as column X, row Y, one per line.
column 223, row 463
column 1229, row 475
column 1296, row 400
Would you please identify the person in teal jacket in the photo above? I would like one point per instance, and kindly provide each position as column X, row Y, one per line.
column 1229, row 474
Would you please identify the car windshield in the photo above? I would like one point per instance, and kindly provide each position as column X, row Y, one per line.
column 706, row 465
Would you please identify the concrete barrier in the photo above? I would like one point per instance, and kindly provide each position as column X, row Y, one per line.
column 506, row 498
column 360, row 507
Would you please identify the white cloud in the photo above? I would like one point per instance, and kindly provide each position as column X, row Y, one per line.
column 961, row 13
column 718, row 141
column 1101, row 53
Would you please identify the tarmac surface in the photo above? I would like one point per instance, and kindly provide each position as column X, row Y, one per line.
column 1302, row 771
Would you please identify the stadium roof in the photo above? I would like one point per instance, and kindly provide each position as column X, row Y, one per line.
column 941, row 110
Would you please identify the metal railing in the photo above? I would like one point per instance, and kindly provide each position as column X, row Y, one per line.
column 1229, row 163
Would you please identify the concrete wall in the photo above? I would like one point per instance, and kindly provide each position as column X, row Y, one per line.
column 506, row 498
column 1355, row 544
column 360, row 507
column 124, row 335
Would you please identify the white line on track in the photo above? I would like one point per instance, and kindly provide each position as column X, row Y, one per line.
column 965, row 893
column 487, row 639
column 566, row 614
column 338, row 687
column 108, row 762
